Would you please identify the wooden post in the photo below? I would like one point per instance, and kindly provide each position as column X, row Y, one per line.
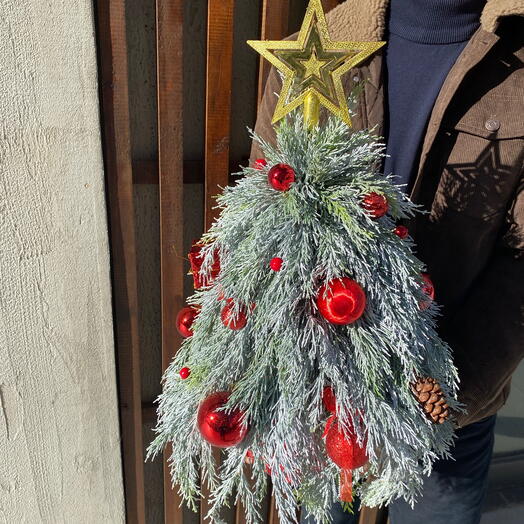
column 275, row 25
column 218, row 120
column 169, row 20
column 218, row 100
column 117, row 158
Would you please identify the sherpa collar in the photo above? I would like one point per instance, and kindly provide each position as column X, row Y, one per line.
column 366, row 19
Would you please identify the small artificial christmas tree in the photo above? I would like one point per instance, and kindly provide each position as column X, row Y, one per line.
column 311, row 352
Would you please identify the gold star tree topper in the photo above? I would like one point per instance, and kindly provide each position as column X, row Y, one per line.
column 313, row 66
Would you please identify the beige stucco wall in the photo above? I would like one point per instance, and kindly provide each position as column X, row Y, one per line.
column 59, row 438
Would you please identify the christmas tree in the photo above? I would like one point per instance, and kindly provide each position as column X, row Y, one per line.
column 311, row 353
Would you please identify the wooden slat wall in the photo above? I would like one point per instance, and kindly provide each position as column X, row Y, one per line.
column 169, row 32
column 170, row 171
column 112, row 47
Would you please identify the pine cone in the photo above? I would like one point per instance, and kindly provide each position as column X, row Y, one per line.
column 430, row 396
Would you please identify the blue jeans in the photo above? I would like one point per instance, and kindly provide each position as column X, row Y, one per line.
column 455, row 490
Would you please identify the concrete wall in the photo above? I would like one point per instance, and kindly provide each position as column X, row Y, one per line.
column 59, row 437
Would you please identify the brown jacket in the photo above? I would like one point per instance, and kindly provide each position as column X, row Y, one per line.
column 470, row 178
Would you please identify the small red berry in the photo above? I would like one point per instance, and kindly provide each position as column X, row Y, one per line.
column 184, row 373
column 260, row 163
column 276, row 264
column 401, row 231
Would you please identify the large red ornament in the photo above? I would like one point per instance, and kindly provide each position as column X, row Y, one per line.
column 329, row 400
column 344, row 301
column 276, row 264
column 281, row 176
column 184, row 320
column 375, row 204
column 429, row 290
column 196, row 259
column 229, row 319
column 344, row 451
column 218, row 427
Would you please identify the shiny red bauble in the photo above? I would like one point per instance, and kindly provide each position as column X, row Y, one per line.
column 329, row 400
column 401, row 232
column 184, row 373
column 281, row 176
column 196, row 259
column 375, row 204
column 429, row 290
column 344, row 451
column 344, row 302
column 276, row 264
column 218, row 427
column 260, row 163
column 229, row 319
column 184, row 320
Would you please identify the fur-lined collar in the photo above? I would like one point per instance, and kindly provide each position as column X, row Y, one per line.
column 366, row 19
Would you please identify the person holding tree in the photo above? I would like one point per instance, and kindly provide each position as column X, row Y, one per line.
column 447, row 93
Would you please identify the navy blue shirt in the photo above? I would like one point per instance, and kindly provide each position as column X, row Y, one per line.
column 425, row 38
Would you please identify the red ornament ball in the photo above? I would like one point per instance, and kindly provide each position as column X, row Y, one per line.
column 376, row 205
column 276, row 264
column 329, row 400
column 344, row 302
column 184, row 373
column 184, row 320
column 218, row 427
column 344, row 451
column 260, row 163
column 429, row 290
column 401, row 232
column 281, row 176
column 196, row 260
column 229, row 319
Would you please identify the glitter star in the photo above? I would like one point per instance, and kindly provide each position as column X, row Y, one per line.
column 314, row 64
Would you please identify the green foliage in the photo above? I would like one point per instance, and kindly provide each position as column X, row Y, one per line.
column 277, row 366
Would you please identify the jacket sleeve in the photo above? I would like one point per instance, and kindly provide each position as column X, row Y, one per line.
column 263, row 126
column 487, row 331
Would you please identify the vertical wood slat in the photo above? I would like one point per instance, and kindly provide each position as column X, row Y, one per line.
column 169, row 39
column 219, row 71
column 218, row 100
column 274, row 26
column 117, row 157
column 373, row 516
